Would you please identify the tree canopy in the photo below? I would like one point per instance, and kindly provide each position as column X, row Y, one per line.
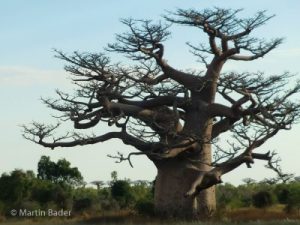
column 60, row 172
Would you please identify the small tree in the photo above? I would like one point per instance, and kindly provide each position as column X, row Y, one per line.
column 121, row 191
column 173, row 115
column 293, row 199
column 60, row 172
column 15, row 187
column 98, row 184
column 249, row 181
column 114, row 176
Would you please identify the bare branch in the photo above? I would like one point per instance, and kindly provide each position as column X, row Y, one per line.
column 259, row 51
column 42, row 131
column 274, row 164
column 224, row 25
column 120, row 157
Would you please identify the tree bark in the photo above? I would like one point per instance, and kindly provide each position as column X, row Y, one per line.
column 174, row 179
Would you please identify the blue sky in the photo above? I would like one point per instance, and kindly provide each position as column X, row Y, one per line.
column 31, row 29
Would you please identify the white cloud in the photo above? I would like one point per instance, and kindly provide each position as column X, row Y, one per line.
column 30, row 76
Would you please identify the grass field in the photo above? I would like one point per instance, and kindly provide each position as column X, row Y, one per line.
column 30, row 222
column 243, row 216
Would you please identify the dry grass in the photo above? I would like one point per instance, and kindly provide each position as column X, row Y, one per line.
column 38, row 222
column 254, row 214
column 31, row 222
column 243, row 216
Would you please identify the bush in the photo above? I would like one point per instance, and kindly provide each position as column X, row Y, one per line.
column 14, row 187
column 86, row 199
column 228, row 196
column 42, row 191
column 293, row 200
column 282, row 193
column 30, row 205
column 82, row 204
column 2, row 209
column 109, row 205
column 121, row 191
column 262, row 199
column 141, row 190
column 51, row 205
column 145, row 207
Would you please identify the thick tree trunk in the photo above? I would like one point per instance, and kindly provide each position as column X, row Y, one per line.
column 173, row 180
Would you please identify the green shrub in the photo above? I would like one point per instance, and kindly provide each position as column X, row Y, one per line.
column 109, row 205
column 81, row 193
column 141, row 190
column 2, row 209
column 51, row 205
column 293, row 200
column 262, row 199
column 14, row 187
column 282, row 192
column 82, row 204
column 121, row 191
column 86, row 199
column 30, row 205
column 42, row 191
column 145, row 207
column 228, row 196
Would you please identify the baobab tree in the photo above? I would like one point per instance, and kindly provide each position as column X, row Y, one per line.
column 171, row 115
column 98, row 183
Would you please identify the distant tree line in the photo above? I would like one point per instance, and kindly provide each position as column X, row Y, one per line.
column 260, row 195
column 57, row 185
